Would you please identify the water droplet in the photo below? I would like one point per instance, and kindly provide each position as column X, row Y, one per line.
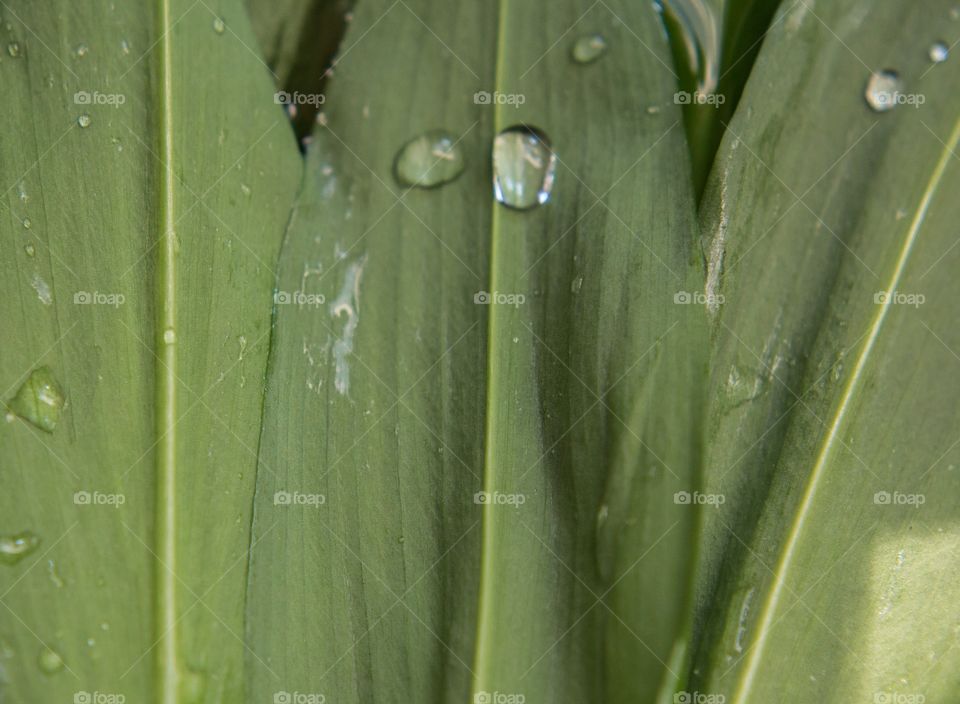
column 169, row 336
column 245, row 189
column 219, row 26
column 42, row 288
column 29, row 249
column 576, row 284
column 882, row 90
column 939, row 52
column 14, row 548
column 22, row 193
column 55, row 577
column 104, row 626
column 193, row 686
column 81, row 50
column 589, row 48
column 124, row 46
column 116, row 142
column 40, row 400
column 50, row 661
column 653, row 109
column 84, row 120
column 27, row 224
column 432, row 159
column 13, row 48
column 524, row 167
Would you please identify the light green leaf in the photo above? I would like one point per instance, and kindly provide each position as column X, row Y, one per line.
column 148, row 176
column 398, row 399
column 830, row 233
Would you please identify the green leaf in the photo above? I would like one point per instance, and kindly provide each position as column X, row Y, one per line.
column 148, row 178
column 831, row 233
column 397, row 400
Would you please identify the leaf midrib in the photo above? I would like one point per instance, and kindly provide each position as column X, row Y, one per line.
column 168, row 674
column 483, row 638
column 829, row 444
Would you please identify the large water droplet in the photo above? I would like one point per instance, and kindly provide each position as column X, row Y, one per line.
column 84, row 120
column 14, row 548
column 524, row 167
column 432, row 159
column 883, row 89
column 49, row 661
column 939, row 52
column 40, row 400
column 589, row 48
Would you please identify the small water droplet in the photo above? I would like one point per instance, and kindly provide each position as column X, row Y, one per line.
column 429, row 160
column 576, row 284
column 524, row 167
column 81, row 50
column 104, row 626
column 116, row 142
column 516, row 340
column 193, row 686
column 245, row 189
column 219, row 26
column 40, row 400
column 84, row 120
column 169, row 336
column 124, row 46
column 14, row 548
column 50, row 661
column 29, row 249
column 42, row 288
column 13, row 48
column 55, row 577
column 22, row 193
column 91, row 642
column 882, row 90
column 589, row 48
column 653, row 109
column 939, row 52
column 27, row 224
